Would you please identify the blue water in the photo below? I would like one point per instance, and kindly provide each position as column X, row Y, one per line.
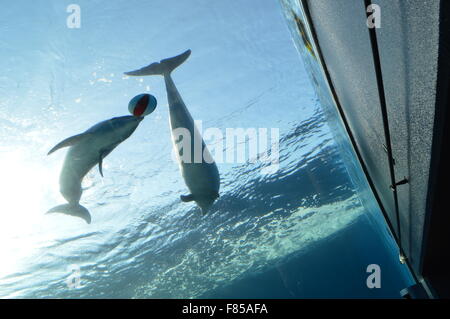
column 299, row 232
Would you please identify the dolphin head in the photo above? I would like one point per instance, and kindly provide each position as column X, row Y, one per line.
column 205, row 202
column 124, row 126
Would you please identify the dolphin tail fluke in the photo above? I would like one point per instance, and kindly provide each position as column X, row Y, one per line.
column 166, row 66
column 73, row 210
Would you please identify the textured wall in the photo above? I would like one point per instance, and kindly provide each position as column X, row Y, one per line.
column 408, row 42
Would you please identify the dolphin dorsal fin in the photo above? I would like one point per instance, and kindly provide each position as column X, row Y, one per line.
column 187, row 198
column 69, row 141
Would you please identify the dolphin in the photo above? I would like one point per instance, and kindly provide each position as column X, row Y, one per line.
column 201, row 175
column 87, row 150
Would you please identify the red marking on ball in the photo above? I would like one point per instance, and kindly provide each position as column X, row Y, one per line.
column 141, row 105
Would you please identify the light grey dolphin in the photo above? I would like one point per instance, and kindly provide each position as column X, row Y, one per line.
column 200, row 173
column 87, row 150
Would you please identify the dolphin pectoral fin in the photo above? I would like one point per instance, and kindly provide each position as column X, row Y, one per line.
column 102, row 154
column 73, row 210
column 100, row 162
column 187, row 198
column 69, row 141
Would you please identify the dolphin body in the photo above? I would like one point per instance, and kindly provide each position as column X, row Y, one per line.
column 87, row 150
column 200, row 175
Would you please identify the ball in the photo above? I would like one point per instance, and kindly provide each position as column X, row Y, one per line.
column 142, row 104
